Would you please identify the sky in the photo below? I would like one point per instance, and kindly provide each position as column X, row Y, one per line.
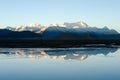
column 94, row 12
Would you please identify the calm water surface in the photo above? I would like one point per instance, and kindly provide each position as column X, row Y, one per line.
column 59, row 64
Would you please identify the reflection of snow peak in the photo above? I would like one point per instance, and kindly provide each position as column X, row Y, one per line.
column 64, row 53
column 42, row 53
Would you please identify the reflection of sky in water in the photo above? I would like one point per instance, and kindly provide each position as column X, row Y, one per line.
column 60, row 64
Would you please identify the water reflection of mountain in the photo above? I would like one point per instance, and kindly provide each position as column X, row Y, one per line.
column 64, row 53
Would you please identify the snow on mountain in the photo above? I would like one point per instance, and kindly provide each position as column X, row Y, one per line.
column 78, row 24
column 76, row 27
column 34, row 26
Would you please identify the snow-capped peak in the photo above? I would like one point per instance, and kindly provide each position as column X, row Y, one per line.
column 31, row 27
column 56, row 25
column 78, row 24
column 67, row 27
column 34, row 25
column 37, row 27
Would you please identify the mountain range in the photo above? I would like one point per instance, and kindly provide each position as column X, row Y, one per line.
column 76, row 30
column 77, row 34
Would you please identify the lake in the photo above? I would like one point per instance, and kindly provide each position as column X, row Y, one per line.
column 60, row 63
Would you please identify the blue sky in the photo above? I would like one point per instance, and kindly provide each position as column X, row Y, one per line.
column 93, row 12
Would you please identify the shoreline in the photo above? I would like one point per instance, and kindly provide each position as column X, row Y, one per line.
column 50, row 43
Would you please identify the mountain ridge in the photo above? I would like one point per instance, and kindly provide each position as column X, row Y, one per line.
column 76, row 30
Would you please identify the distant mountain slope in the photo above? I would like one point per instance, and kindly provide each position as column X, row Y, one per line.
column 4, row 33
